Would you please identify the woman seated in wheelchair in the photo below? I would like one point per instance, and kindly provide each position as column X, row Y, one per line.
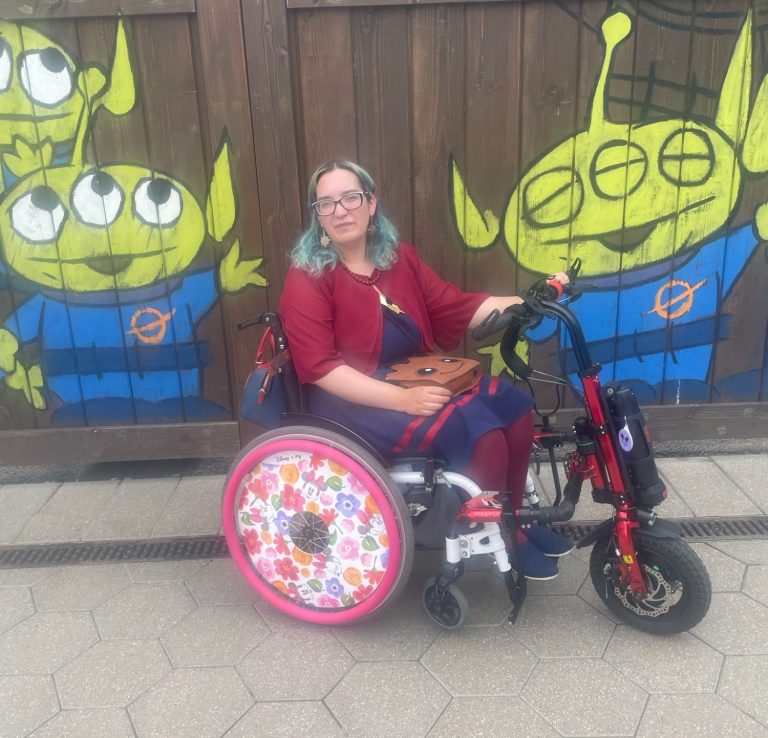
column 357, row 300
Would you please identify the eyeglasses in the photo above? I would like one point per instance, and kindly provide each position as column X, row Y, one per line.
column 350, row 201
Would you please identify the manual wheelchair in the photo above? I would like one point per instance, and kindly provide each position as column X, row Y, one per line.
column 322, row 525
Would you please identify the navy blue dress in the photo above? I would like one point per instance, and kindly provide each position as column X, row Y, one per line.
column 450, row 433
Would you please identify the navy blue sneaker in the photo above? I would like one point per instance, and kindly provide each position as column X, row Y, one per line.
column 549, row 542
column 534, row 564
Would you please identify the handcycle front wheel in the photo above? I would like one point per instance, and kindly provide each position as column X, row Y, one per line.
column 317, row 525
column 679, row 588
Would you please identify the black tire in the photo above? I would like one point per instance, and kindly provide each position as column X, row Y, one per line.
column 446, row 606
column 679, row 587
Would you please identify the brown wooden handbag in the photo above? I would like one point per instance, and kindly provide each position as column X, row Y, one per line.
column 454, row 373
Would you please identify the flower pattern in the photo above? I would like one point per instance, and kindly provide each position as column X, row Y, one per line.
column 344, row 543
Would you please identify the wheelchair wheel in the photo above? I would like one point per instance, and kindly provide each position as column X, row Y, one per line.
column 316, row 525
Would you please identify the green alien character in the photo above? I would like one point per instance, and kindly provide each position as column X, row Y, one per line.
column 110, row 251
column 643, row 205
column 48, row 99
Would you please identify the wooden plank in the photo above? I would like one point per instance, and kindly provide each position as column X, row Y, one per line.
column 437, row 93
column 548, row 121
column 380, row 50
column 295, row 4
column 30, row 9
column 491, row 165
column 324, row 50
column 222, row 61
column 171, row 104
column 695, row 422
column 125, row 443
column 281, row 194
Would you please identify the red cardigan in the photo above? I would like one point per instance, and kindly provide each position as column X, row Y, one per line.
column 333, row 319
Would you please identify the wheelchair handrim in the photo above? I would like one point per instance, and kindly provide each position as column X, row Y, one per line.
column 283, row 601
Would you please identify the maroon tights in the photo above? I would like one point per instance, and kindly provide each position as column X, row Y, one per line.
column 500, row 458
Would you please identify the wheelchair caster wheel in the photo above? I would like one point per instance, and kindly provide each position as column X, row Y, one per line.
column 447, row 606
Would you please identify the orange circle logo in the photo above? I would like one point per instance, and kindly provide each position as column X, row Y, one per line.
column 151, row 330
column 675, row 293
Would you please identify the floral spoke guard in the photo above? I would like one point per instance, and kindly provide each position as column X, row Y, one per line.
column 313, row 530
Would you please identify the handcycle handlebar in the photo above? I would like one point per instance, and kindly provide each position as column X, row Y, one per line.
column 539, row 301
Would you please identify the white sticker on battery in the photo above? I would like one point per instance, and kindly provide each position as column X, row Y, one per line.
column 625, row 438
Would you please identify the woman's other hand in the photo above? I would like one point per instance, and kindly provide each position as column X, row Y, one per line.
column 426, row 400
column 561, row 277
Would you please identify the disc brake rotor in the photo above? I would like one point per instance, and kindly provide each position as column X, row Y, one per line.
column 662, row 595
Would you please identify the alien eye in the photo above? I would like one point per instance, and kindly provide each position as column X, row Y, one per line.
column 687, row 158
column 5, row 65
column 618, row 169
column 46, row 76
column 157, row 202
column 38, row 216
column 97, row 199
column 553, row 198
column 448, row 360
column 426, row 370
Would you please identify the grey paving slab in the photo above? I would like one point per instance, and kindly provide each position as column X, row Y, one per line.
column 193, row 508
column 735, row 625
column 402, row 632
column 23, row 577
column 133, row 512
column 681, row 716
column 557, row 627
column 87, row 724
column 743, row 684
column 479, row 661
column 705, row 488
column 68, row 513
column 752, row 553
column 143, row 610
column 111, row 674
column 287, row 720
column 27, row 701
column 15, row 605
column 79, row 587
column 164, row 571
column 664, row 664
column 216, row 635
column 18, row 503
column 749, row 472
column 585, row 697
column 43, row 643
column 491, row 717
column 756, row 583
column 220, row 583
column 383, row 699
column 573, row 572
column 725, row 572
column 299, row 664
column 193, row 703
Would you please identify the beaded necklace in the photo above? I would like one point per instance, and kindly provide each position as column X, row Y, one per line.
column 375, row 274
column 371, row 281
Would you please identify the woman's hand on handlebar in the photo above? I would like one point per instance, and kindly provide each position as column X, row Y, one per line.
column 425, row 400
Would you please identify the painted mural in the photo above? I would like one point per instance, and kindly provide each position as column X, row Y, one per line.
column 102, row 258
column 648, row 207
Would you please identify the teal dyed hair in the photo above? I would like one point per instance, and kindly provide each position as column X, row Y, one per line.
column 381, row 247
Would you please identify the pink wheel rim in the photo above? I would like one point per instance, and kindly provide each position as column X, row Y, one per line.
column 320, row 540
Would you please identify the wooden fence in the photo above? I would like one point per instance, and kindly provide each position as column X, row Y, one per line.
column 155, row 153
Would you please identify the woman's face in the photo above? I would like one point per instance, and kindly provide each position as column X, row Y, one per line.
column 346, row 228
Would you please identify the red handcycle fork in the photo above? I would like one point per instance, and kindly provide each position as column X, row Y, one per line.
column 629, row 567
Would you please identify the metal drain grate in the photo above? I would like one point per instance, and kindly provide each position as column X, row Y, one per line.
column 94, row 552
column 215, row 547
column 693, row 528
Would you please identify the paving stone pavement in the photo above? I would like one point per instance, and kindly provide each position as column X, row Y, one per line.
column 186, row 648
